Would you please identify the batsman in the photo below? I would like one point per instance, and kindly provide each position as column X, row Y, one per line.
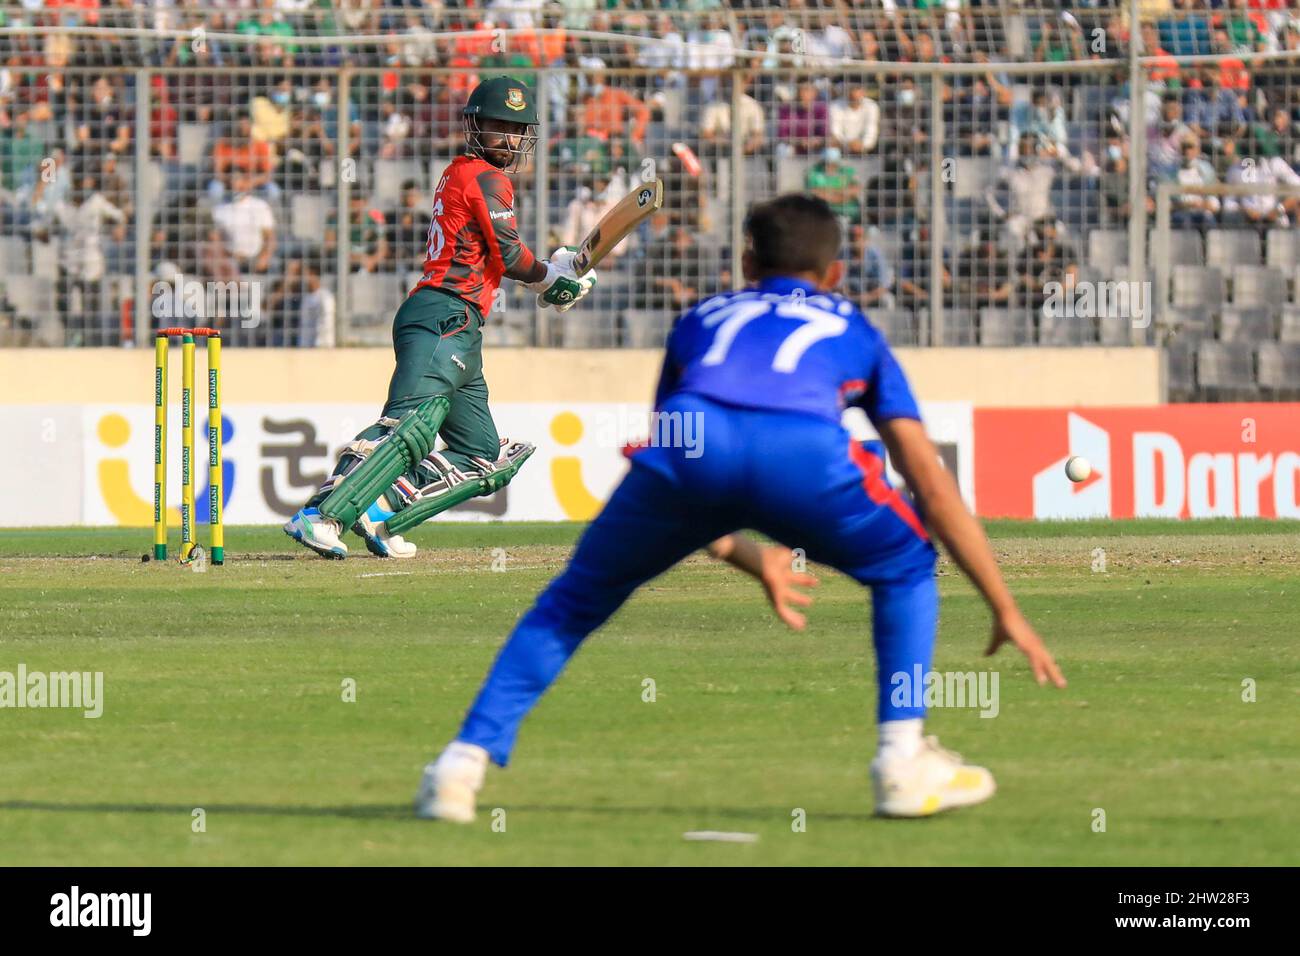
column 390, row 478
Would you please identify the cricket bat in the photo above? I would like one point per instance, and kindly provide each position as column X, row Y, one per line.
column 615, row 225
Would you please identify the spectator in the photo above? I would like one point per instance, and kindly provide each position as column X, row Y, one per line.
column 1046, row 258
column 891, row 194
column 1194, row 210
column 1029, row 190
column 78, row 226
column 837, row 183
column 715, row 125
column 1211, row 110
column 802, row 125
column 316, row 323
column 1165, row 139
column 581, row 215
column 580, row 154
column 870, row 276
column 914, row 270
column 607, row 114
column 238, row 156
column 855, row 122
column 681, row 272
column 1115, row 184
column 369, row 235
column 247, row 227
column 708, row 49
column 667, row 53
column 1278, row 136
column 1246, row 29
column 1260, row 165
column 408, row 228
column 983, row 275
column 1232, row 71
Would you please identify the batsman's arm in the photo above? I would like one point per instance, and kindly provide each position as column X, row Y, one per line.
column 917, row 460
column 496, row 217
column 773, row 567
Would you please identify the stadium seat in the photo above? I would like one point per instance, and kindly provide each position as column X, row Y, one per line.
column 588, row 329
column 1185, row 248
column 389, row 176
column 1225, row 248
column 502, row 334
column 1229, row 365
column 1259, row 286
column 14, row 259
column 1282, row 249
column 1180, row 370
column 32, row 297
column 1289, row 331
column 1107, row 249
column 1279, row 365
column 1191, row 323
column 1062, row 330
column 1115, row 330
column 192, row 143
column 1241, row 324
column 972, row 175
column 792, row 172
column 374, row 296
column 1006, row 327
column 646, row 328
column 1197, row 286
column 308, row 213
column 44, row 259
column 958, row 327
column 899, row 326
column 758, row 175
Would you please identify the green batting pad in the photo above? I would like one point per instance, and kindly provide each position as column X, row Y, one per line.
column 431, row 504
column 410, row 441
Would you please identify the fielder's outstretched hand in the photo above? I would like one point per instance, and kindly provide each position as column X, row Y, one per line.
column 1013, row 628
column 772, row 566
column 780, row 580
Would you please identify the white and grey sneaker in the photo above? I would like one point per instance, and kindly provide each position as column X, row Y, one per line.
column 450, row 785
column 931, row 780
column 313, row 530
column 379, row 542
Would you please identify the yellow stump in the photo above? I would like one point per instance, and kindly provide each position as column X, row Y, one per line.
column 187, row 446
column 214, row 449
column 160, row 448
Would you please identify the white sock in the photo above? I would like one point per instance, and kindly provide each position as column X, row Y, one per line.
column 899, row 739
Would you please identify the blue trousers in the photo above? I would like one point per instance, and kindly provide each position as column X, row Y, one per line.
column 800, row 480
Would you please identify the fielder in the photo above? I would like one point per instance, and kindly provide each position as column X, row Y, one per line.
column 769, row 370
column 389, row 478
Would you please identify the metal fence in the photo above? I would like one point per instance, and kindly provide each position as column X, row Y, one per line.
column 293, row 200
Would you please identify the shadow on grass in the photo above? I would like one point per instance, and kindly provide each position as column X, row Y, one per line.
column 403, row 812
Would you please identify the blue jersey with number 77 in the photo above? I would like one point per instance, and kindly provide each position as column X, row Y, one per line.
column 784, row 346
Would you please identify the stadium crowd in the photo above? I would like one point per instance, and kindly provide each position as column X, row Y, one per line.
column 246, row 146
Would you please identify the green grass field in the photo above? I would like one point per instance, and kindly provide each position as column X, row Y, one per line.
column 223, row 691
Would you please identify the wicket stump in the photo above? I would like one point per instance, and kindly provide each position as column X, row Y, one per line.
column 215, row 526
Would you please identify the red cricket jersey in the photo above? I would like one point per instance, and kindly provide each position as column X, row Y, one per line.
column 473, row 237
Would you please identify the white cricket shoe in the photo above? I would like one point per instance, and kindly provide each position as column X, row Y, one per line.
column 931, row 780
column 313, row 530
column 379, row 542
column 450, row 785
